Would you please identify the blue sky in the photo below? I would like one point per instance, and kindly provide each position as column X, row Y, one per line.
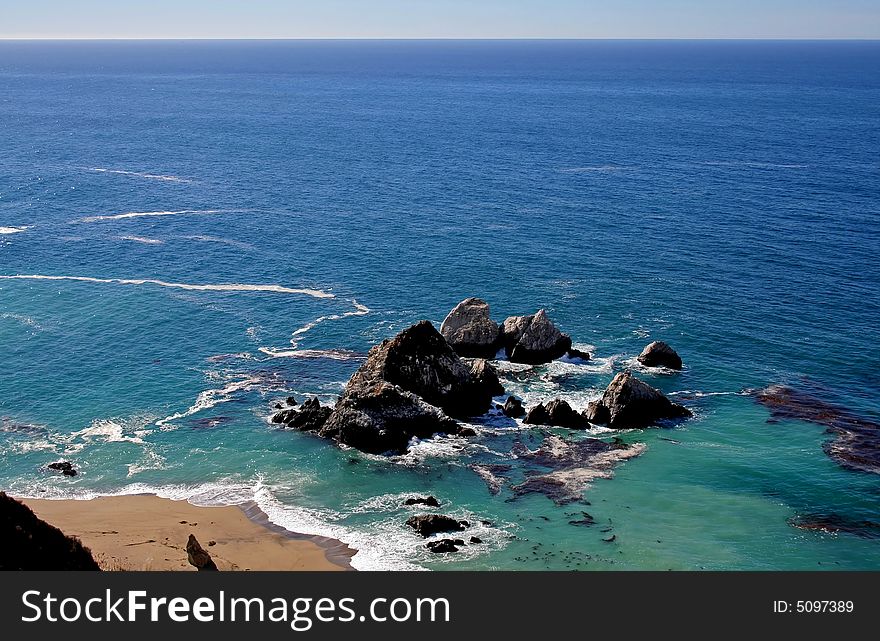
column 440, row 19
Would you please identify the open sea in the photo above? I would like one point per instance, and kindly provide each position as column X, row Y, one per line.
column 191, row 231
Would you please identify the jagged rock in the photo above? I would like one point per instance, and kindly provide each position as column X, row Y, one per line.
column 444, row 545
column 557, row 413
column 29, row 543
column 533, row 339
column 470, row 331
column 430, row 501
column 660, row 354
column 291, row 401
column 537, row 415
column 381, row 417
column 310, row 417
column 513, row 407
column 198, row 557
column 562, row 415
column 476, row 539
column 419, row 360
column 65, row 467
column 486, row 378
column 578, row 354
column 429, row 524
column 629, row 402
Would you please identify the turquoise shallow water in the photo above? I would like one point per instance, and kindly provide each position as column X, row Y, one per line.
column 720, row 196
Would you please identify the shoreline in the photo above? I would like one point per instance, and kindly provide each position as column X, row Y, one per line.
column 148, row 532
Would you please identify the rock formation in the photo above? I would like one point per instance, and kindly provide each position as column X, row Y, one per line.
column 470, row 331
column 310, row 417
column 629, row 402
column 65, row 467
column 513, row 407
column 557, row 413
column 660, row 354
column 430, row 524
column 198, row 556
column 29, row 543
column 533, row 339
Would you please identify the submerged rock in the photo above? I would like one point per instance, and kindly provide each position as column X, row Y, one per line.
column 470, row 331
column 29, row 543
column 835, row 523
column 563, row 469
column 65, row 467
column 430, row 501
column 513, row 407
column 660, row 354
column 430, row 524
column 533, row 339
column 629, row 403
column 198, row 557
column 381, row 417
column 856, row 445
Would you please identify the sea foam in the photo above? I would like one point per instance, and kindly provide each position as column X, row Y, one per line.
column 147, row 214
column 140, row 174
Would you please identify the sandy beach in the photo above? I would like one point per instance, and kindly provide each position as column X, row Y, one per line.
column 150, row 533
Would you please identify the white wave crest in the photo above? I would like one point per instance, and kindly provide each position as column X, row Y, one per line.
column 224, row 287
column 12, row 230
column 140, row 174
column 142, row 214
column 141, row 239
column 210, row 398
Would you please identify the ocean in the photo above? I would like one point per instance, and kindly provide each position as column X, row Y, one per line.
column 192, row 231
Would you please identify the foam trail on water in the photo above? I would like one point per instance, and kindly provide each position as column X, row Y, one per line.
column 359, row 310
column 12, row 230
column 223, row 287
column 140, row 174
column 142, row 239
column 141, row 214
column 210, row 398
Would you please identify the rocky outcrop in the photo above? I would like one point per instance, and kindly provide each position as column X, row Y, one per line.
column 577, row 354
column 513, row 407
column 557, row 413
column 660, row 354
column 444, row 545
column 430, row 501
column 65, row 467
column 856, row 445
column 485, row 378
column 382, row 418
column 420, row 361
column 198, row 557
column 533, row 339
column 310, row 417
column 629, row 403
column 470, row 331
column 29, row 543
column 430, row 524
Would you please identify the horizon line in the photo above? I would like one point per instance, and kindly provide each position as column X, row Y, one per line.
column 435, row 38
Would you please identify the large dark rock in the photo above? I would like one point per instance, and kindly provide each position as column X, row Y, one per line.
column 470, row 331
column 380, row 418
column 430, row 524
column 629, row 402
column 29, row 543
column 419, row 360
column 856, row 445
column 533, row 339
column 198, row 557
column 557, row 413
column 310, row 417
column 513, row 407
column 485, row 378
column 65, row 467
column 660, row 354
column 430, row 501
column 444, row 545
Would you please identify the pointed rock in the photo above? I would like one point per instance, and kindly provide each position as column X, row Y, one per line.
column 198, row 557
column 533, row 339
column 470, row 331
column 660, row 354
column 629, row 403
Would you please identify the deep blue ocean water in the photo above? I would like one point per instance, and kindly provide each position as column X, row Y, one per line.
column 721, row 196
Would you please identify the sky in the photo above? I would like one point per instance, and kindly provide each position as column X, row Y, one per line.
column 440, row 19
